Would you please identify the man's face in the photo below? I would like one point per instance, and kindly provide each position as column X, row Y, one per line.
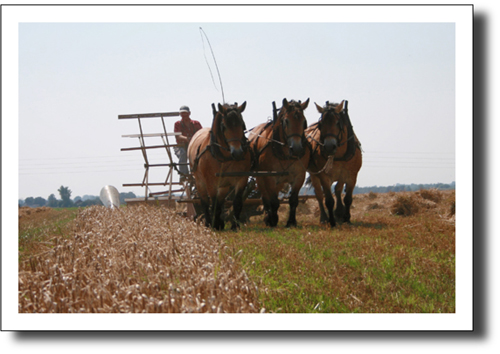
column 185, row 115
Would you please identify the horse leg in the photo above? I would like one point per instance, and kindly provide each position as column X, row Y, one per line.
column 274, row 206
column 329, row 201
column 293, row 202
column 205, row 204
column 340, row 210
column 318, row 192
column 267, row 210
column 238, row 205
column 270, row 201
column 265, row 199
column 218, row 206
column 348, row 201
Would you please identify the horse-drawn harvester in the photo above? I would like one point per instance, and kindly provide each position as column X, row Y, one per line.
column 226, row 166
column 172, row 190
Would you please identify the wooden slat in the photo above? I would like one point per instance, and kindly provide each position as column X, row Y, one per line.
column 148, row 115
column 149, row 184
column 152, row 135
column 168, row 164
column 166, row 192
column 149, row 147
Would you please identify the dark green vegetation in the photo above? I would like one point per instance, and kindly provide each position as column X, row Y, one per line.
column 66, row 201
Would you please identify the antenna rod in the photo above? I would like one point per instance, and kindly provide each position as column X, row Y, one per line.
column 213, row 56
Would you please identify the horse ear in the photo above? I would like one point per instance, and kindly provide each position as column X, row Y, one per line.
column 339, row 107
column 220, row 107
column 319, row 108
column 242, row 107
column 305, row 104
column 214, row 111
column 285, row 103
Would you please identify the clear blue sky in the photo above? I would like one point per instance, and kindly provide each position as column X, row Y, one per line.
column 76, row 78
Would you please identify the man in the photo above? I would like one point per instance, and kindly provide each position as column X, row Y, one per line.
column 187, row 127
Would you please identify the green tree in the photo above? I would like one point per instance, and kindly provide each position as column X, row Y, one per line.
column 40, row 201
column 65, row 194
column 52, row 201
column 29, row 201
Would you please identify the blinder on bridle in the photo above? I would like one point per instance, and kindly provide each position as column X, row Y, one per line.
column 232, row 110
column 330, row 109
column 296, row 115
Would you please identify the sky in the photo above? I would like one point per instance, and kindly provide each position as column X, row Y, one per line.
column 76, row 77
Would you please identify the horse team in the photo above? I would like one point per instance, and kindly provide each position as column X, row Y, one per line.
column 277, row 153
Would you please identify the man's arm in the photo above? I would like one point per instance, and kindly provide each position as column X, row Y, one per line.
column 181, row 139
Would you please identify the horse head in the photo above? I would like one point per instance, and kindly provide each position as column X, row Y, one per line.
column 331, row 126
column 294, row 123
column 229, row 129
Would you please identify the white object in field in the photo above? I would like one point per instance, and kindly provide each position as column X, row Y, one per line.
column 110, row 197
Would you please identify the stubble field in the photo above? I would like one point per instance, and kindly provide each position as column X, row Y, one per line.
column 397, row 256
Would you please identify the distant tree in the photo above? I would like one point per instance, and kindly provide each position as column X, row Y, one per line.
column 88, row 202
column 20, row 202
column 65, row 194
column 52, row 201
column 40, row 201
column 123, row 196
column 29, row 201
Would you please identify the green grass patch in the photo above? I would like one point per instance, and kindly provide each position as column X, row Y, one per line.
column 350, row 269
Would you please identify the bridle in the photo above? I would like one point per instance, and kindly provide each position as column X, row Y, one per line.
column 286, row 136
column 330, row 110
column 214, row 144
column 345, row 124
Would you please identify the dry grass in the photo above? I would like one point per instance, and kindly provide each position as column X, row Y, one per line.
column 136, row 259
column 406, row 205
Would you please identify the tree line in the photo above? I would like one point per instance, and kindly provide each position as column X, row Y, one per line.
column 403, row 188
column 308, row 189
column 65, row 200
column 87, row 200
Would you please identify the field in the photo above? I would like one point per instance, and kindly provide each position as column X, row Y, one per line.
column 397, row 256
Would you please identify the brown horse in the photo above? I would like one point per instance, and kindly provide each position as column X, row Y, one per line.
column 281, row 146
column 336, row 156
column 221, row 149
